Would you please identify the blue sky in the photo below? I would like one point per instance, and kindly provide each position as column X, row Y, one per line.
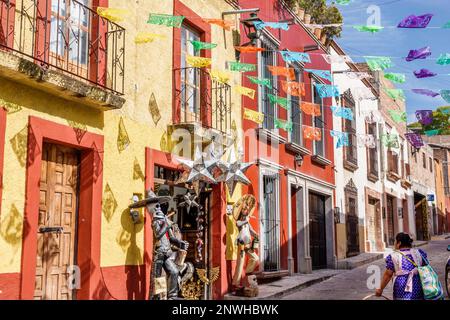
column 396, row 42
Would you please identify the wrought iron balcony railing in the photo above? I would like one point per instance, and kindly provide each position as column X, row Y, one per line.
column 68, row 36
column 198, row 98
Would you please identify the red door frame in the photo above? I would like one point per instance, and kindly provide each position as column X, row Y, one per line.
column 89, row 207
column 2, row 146
column 193, row 20
column 217, row 220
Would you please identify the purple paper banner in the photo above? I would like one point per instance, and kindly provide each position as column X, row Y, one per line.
column 425, row 117
column 424, row 73
column 414, row 139
column 421, row 53
column 416, row 21
column 426, row 92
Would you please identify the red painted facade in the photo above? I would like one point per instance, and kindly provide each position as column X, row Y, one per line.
column 293, row 40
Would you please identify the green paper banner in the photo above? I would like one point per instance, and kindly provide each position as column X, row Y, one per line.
column 398, row 116
column 430, row 133
column 285, row 125
column 444, row 59
column 396, row 77
column 390, row 140
column 198, row 45
column 283, row 102
column 165, row 20
column 372, row 29
column 379, row 63
column 396, row 94
column 262, row 82
column 241, row 67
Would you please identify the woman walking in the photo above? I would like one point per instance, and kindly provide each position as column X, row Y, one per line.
column 399, row 264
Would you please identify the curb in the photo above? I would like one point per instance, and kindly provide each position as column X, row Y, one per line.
column 349, row 265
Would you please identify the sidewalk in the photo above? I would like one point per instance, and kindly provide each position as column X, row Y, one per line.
column 359, row 260
column 441, row 237
column 288, row 285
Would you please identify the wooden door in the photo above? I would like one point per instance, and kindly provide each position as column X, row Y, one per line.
column 317, row 236
column 352, row 226
column 56, row 251
column 390, row 220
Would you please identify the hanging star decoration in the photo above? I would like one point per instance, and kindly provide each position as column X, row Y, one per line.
column 189, row 201
column 197, row 169
column 233, row 171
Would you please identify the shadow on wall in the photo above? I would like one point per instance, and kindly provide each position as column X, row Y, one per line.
column 11, row 230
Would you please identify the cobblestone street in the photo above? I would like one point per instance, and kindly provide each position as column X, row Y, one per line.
column 352, row 284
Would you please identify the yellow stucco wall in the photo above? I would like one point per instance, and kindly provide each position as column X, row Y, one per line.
column 148, row 69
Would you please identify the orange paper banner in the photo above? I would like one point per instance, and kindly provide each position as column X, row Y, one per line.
column 311, row 109
column 289, row 73
column 311, row 133
column 221, row 23
column 249, row 49
column 296, row 89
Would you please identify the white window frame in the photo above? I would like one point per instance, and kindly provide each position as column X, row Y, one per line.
column 300, row 69
column 315, row 80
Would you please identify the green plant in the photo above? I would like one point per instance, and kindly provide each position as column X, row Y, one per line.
column 321, row 14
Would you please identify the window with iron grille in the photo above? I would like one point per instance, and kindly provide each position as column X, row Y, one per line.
column 271, row 224
column 372, row 152
column 296, row 113
column 349, row 126
column 267, row 58
column 319, row 122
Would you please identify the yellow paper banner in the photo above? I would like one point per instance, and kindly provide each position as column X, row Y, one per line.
column 113, row 14
column 146, row 37
column 198, row 62
column 246, row 91
column 254, row 116
column 220, row 76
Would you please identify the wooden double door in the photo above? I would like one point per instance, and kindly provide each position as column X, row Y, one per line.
column 57, row 223
column 317, row 231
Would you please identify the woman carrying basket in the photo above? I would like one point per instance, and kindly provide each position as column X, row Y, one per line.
column 401, row 265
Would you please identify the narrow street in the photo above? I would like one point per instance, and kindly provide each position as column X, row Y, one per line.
column 352, row 284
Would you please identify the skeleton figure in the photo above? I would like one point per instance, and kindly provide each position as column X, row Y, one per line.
column 242, row 212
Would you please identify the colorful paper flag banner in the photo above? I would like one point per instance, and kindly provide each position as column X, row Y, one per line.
column 372, row 29
column 414, row 139
column 373, row 117
column 262, row 82
column 343, row 2
column 424, row 73
column 285, row 125
column 198, row 62
column 421, row 53
column 345, row 113
column 282, row 102
column 165, row 20
column 246, row 91
column 241, row 67
column 321, row 26
column 378, row 63
column 430, row 133
column 221, row 23
column 332, row 59
column 289, row 73
column 425, row 117
column 296, row 89
column 362, row 93
column 390, row 140
column 398, row 116
column 342, row 138
column 311, row 133
column 358, row 75
column 249, row 49
column 259, row 25
column 366, row 140
column 413, row 21
column 324, row 74
column 445, row 94
column 220, row 76
column 326, row 90
column 311, row 109
column 199, row 45
column 289, row 56
column 425, row 92
column 113, row 14
column 147, row 37
column 254, row 116
column 444, row 59
column 396, row 94
column 396, row 77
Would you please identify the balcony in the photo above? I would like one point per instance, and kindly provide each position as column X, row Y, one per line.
column 201, row 105
column 63, row 47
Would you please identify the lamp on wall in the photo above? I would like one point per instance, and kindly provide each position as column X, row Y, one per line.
column 299, row 160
